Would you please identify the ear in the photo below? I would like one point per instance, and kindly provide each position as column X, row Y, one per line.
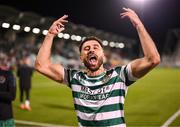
column 104, row 59
column 81, row 58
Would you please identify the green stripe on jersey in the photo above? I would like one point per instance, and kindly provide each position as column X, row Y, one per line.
column 106, row 108
column 109, row 122
column 88, row 93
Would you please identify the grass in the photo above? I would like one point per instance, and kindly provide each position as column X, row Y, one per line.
column 149, row 102
column 154, row 98
column 50, row 101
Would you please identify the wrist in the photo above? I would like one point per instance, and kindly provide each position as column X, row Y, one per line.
column 50, row 34
column 140, row 27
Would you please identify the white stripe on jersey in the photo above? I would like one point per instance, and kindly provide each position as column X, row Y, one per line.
column 100, row 116
column 92, row 103
column 115, row 86
column 121, row 125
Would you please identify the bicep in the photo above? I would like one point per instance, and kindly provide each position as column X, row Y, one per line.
column 53, row 71
column 140, row 67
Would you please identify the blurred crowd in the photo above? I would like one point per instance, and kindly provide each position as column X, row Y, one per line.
column 14, row 46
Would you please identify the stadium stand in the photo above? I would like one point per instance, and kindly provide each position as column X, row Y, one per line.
column 27, row 39
column 171, row 50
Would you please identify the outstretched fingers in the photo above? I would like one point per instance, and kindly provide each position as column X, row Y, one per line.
column 129, row 13
column 60, row 22
column 128, row 10
column 58, row 25
column 124, row 14
column 63, row 19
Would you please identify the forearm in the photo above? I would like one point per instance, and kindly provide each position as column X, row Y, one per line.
column 43, row 63
column 148, row 46
column 151, row 57
column 44, row 54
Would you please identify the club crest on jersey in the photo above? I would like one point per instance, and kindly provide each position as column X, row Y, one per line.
column 2, row 79
column 106, row 78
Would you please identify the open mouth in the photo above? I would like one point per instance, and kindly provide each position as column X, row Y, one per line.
column 92, row 59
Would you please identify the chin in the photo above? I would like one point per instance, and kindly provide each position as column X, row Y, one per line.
column 94, row 69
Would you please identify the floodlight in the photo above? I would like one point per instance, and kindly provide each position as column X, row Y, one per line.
column 121, row 45
column 5, row 25
column 73, row 37
column 36, row 30
column 44, row 32
column 16, row 27
column 78, row 38
column 66, row 36
column 27, row 29
column 105, row 43
column 60, row 35
column 111, row 44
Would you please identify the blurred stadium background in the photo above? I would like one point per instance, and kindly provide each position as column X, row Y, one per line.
column 151, row 101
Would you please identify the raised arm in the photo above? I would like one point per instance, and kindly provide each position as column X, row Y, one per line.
column 151, row 57
column 43, row 63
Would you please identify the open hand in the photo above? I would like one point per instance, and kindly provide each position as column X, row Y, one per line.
column 132, row 16
column 58, row 25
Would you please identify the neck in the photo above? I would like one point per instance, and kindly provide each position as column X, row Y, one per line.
column 96, row 73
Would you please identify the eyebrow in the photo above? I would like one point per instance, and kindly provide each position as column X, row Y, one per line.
column 88, row 46
column 96, row 45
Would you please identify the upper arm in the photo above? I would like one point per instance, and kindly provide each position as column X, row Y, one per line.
column 53, row 71
column 126, row 74
column 142, row 66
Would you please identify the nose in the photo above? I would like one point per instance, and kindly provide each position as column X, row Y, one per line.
column 90, row 52
column 91, row 49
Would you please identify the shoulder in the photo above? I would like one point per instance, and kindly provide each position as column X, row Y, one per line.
column 117, row 69
column 71, row 73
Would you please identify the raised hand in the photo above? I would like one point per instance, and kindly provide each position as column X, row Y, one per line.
column 58, row 25
column 129, row 13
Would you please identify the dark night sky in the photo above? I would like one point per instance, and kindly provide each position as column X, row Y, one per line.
column 157, row 15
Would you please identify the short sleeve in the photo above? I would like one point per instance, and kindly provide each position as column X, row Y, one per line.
column 68, row 75
column 126, row 74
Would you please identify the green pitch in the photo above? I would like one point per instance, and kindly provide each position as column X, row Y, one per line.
column 149, row 102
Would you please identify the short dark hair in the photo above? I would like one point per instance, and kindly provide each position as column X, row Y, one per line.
column 90, row 38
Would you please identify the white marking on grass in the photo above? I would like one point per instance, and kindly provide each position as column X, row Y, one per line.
column 171, row 119
column 39, row 124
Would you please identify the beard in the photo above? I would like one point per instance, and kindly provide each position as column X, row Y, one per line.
column 93, row 67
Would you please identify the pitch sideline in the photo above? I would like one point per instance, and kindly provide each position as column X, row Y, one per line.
column 171, row 119
column 39, row 124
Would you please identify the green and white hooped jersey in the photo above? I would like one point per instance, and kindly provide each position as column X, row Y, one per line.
column 99, row 100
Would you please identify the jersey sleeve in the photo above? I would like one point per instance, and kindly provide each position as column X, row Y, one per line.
column 68, row 75
column 126, row 74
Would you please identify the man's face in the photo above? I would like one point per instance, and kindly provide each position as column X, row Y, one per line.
column 92, row 55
